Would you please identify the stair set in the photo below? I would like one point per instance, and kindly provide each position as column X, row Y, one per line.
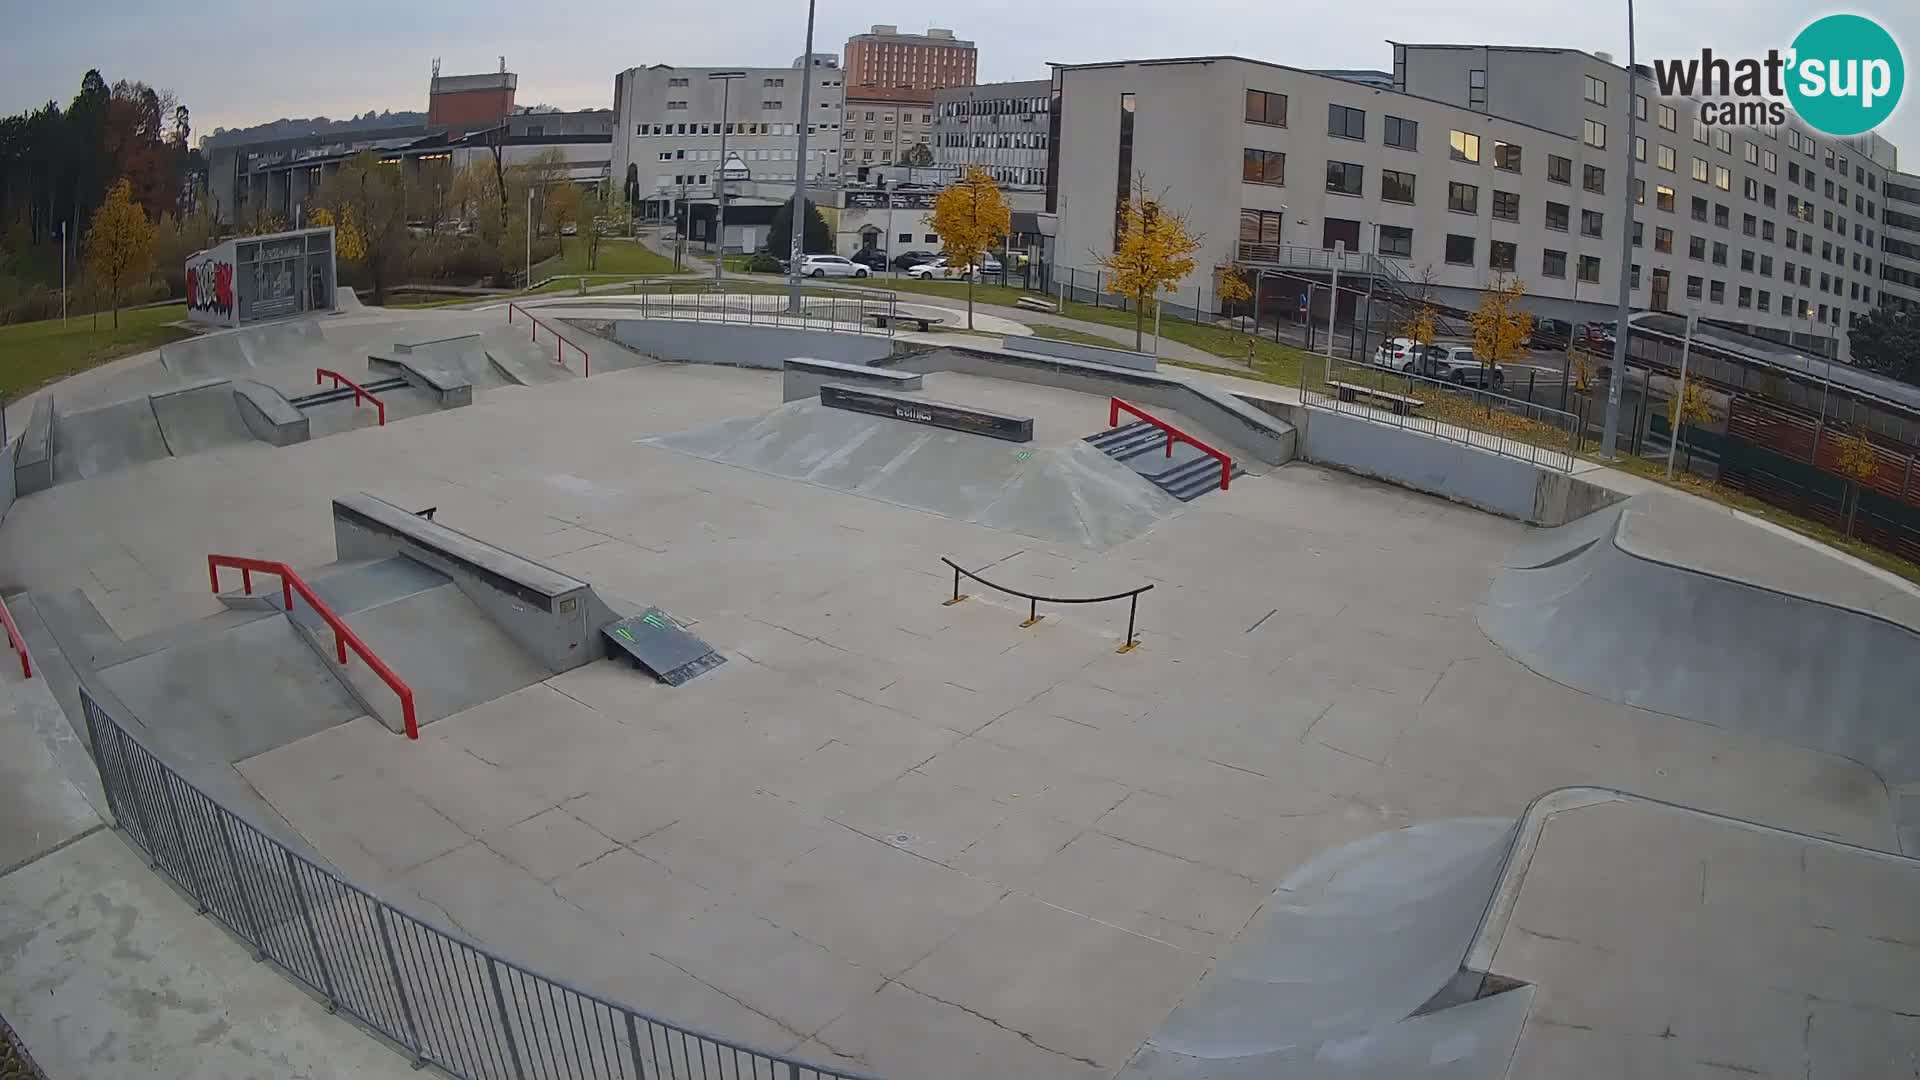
column 1186, row 474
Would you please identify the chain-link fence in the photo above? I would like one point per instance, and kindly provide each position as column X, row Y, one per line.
column 447, row 1001
column 1445, row 408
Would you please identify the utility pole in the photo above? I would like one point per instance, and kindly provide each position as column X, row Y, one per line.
column 1680, row 410
column 799, row 229
column 63, row 271
column 529, row 236
column 725, row 79
column 1618, row 377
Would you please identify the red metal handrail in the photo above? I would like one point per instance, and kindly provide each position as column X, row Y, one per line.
column 561, row 340
column 17, row 640
column 322, row 374
column 1114, row 408
column 343, row 635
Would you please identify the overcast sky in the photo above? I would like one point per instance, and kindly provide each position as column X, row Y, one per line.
column 240, row 62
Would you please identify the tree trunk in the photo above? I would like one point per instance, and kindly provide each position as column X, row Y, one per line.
column 969, row 301
column 116, row 301
column 1139, row 322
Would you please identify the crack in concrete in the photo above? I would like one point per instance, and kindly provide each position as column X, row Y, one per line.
column 1025, row 1036
column 774, row 1020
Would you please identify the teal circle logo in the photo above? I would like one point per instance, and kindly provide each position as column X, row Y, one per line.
column 1846, row 74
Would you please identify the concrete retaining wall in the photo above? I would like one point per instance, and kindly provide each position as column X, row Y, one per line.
column 268, row 414
column 803, row 376
column 33, row 458
column 1073, row 350
column 746, row 346
column 1244, row 428
column 556, row 618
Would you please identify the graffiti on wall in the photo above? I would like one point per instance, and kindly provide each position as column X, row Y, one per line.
column 210, row 287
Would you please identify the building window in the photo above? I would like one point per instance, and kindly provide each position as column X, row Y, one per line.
column 1723, row 140
column 1265, row 108
column 1506, row 156
column 1639, row 229
column 1667, row 118
column 1463, row 147
column 1750, row 188
column 1764, row 301
column 1720, row 214
column 1639, row 106
column 1745, row 296
column 1594, row 179
column 1404, row 134
column 1477, row 89
column 1697, row 248
column 1594, row 134
column 1463, row 198
column 1719, row 253
column 1749, row 225
column 1506, row 206
column 1344, row 178
column 1501, row 254
column 1766, row 266
column 1639, row 192
column 1770, row 161
column 1699, row 211
column 1557, row 215
column 1696, row 285
column 1665, row 157
column 1639, row 148
column 1750, row 151
column 1663, row 198
column 1396, row 240
column 1459, row 249
column 1396, row 186
column 1590, row 268
column 1596, row 91
column 1591, row 222
column 1553, row 263
column 1722, row 178
column 1717, row 292
column 1700, row 171
column 1769, row 196
column 1263, row 167
column 1663, row 241
column 1559, row 169
column 1346, row 123
column 1699, row 131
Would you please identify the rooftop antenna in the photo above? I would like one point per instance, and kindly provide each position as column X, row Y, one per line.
column 436, row 67
column 503, row 65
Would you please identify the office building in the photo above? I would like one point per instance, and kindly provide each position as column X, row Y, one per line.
column 1478, row 162
column 1900, row 243
column 882, row 124
column 1000, row 127
column 886, row 57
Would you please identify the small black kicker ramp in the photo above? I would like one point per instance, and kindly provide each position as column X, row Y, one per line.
column 660, row 645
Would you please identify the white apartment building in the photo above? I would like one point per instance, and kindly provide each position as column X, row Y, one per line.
column 882, row 124
column 1900, row 242
column 1481, row 161
column 668, row 128
column 1000, row 127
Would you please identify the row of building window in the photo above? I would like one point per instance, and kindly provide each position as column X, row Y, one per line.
column 995, row 106
column 736, row 128
column 988, row 141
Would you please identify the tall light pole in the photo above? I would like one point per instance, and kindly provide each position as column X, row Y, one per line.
column 529, row 236
column 725, row 79
column 799, row 229
column 1618, row 376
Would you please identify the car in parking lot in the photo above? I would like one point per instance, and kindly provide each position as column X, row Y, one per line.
column 830, row 266
column 872, row 258
column 1456, row 363
column 1397, row 353
column 907, row 260
column 1550, row 334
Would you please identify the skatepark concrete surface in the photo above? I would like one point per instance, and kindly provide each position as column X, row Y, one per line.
column 919, row 839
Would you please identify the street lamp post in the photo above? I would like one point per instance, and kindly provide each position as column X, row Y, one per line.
column 529, row 237
column 799, row 229
column 1618, row 377
column 725, row 79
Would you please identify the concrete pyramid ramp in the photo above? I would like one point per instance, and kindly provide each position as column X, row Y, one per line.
column 106, row 439
column 1686, row 610
column 200, row 418
column 1343, row 973
column 1071, row 493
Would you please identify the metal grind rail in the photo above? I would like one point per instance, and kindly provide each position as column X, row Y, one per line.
column 321, row 375
column 445, row 1000
column 1034, row 600
column 561, row 341
column 343, row 635
column 1115, row 407
column 16, row 640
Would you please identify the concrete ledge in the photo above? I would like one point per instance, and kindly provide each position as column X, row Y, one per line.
column 33, row 455
column 461, row 340
column 940, row 414
column 1256, row 434
column 1073, row 350
column 803, row 376
column 450, row 389
column 268, row 414
column 744, row 344
column 556, row 618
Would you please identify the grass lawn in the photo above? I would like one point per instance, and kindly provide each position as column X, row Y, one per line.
column 36, row 353
column 617, row 256
column 1078, row 337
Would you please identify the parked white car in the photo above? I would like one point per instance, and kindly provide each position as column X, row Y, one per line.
column 830, row 266
column 1456, row 363
column 1397, row 353
column 937, row 270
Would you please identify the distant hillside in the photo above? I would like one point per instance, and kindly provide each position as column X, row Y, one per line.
column 318, row 125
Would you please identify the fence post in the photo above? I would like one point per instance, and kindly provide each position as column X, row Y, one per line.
column 313, row 935
column 240, row 889
column 186, row 853
column 506, row 1023
column 633, row 1043
column 399, row 986
column 139, row 804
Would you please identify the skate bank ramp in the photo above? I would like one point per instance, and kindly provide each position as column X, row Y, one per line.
column 1069, row 492
column 171, row 423
column 1684, row 609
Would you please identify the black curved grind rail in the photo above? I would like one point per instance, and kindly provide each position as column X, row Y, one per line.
column 1131, row 596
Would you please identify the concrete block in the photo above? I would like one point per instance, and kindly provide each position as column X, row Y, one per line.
column 802, row 376
column 1073, row 350
column 269, row 415
column 450, row 389
column 746, row 346
column 939, row 414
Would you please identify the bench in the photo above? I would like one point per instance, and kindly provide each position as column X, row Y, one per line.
column 925, row 322
column 1034, row 303
column 1400, row 403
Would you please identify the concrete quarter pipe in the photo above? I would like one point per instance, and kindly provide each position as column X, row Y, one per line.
column 1657, row 603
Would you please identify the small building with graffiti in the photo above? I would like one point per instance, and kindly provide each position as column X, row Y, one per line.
column 250, row 279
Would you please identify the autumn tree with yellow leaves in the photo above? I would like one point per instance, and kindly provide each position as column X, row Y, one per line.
column 1687, row 406
column 1856, row 459
column 119, row 243
column 1230, row 285
column 970, row 217
column 1500, row 325
column 1152, row 255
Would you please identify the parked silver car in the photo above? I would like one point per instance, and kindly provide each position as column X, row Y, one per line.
column 1456, row 363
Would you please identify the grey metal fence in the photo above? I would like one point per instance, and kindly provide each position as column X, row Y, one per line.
column 445, row 1000
column 845, row 310
column 1487, row 420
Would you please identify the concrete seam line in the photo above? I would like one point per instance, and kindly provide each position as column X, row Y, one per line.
column 55, row 849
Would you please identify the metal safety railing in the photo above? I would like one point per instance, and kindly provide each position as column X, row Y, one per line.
column 444, row 999
column 1034, row 600
column 343, row 635
column 1444, row 409
column 16, row 640
column 321, row 375
column 1115, row 407
column 561, row 341
column 841, row 309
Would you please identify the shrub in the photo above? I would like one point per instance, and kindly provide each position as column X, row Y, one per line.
column 763, row 262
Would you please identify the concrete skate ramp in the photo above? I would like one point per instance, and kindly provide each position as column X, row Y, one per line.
column 200, row 418
column 1327, row 980
column 105, row 439
column 1071, row 492
column 1674, row 608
